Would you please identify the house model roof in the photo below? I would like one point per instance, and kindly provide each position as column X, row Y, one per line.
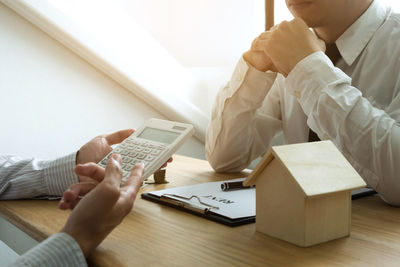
column 317, row 167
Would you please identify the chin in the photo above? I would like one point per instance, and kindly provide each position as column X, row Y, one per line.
column 311, row 21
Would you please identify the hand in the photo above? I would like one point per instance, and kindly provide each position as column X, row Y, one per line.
column 97, row 148
column 257, row 58
column 94, row 174
column 101, row 210
column 288, row 43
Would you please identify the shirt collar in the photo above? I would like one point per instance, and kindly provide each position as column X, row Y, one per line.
column 356, row 37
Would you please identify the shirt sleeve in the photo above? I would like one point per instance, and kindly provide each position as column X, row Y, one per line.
column 367, row 136
column 29, row 178
column 239, row 131
column 56, row 251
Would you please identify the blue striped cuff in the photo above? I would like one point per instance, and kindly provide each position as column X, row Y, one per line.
column 59, row 174
column 57, row 250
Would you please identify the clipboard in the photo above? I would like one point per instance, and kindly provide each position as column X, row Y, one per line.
column 207, row 200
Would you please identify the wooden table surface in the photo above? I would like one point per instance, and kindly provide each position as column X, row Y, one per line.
column 156, row 235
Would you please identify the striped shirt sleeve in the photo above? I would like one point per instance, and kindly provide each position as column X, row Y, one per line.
column 30, row 178
column 58, row 250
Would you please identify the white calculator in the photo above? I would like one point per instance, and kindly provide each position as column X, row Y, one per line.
column 153, row 144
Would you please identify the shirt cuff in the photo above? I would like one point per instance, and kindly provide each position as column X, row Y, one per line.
column 59, row 174
column 57, row 250
column 252, row 79
column 311, row 76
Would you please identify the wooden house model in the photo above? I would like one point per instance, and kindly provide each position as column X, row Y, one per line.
column 303, row 193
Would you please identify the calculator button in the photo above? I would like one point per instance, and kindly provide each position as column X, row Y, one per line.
column 133, row 154
column 124, row 152
column 141, row 156
column 155, row 152
column 135, row 161
column 126, row 160
column 146, row 163
column 128, row 167
column 118, row 149
column 138, row 149
column 125, row 175
column 149, row 158
column 147, row 150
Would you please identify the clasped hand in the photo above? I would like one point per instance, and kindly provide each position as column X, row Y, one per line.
column 282, row 47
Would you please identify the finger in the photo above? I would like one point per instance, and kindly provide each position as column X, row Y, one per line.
column 135, row 179
column 163, row 166
column 166, row 163
column 274, row 27
column 260, row 45
column 74, row 193
column 71, row 205
column 74, row 203
column 91, row 170
column 118, row 137
column 113, row 173
column 254, row 42
column 266, row 34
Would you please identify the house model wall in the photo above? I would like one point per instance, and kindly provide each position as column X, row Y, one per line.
column 303, row 193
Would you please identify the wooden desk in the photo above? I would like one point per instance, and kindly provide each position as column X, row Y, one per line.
column 156, row 235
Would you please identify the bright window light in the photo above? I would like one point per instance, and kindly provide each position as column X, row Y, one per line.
column 393, row 3
column 200, row 32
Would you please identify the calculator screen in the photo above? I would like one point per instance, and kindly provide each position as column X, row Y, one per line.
column 162, row 136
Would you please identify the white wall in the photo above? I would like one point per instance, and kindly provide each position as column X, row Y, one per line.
column 199, row 33
column 52, row 102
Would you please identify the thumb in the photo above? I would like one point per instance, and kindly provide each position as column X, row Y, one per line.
column 135, row 180
column 113, row 174
column 118, row 137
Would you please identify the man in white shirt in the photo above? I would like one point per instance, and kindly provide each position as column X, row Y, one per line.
column 350, row 95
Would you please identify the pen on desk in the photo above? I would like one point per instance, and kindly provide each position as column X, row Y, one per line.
column 227, row 186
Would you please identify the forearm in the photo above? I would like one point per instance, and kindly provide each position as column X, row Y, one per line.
column 28, row 178
column 236, row 134
column 367, row 136
column 58, row 250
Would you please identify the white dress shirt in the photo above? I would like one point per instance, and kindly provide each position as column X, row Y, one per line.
column 355, row 104
column 31, row 178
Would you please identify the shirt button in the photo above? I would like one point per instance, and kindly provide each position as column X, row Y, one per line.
column 297, row 94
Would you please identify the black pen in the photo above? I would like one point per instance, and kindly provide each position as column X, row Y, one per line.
column 227, row 186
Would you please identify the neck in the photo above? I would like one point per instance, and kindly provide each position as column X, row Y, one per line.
column 334, row 28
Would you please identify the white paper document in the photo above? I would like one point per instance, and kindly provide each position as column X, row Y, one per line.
column 233, row 204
